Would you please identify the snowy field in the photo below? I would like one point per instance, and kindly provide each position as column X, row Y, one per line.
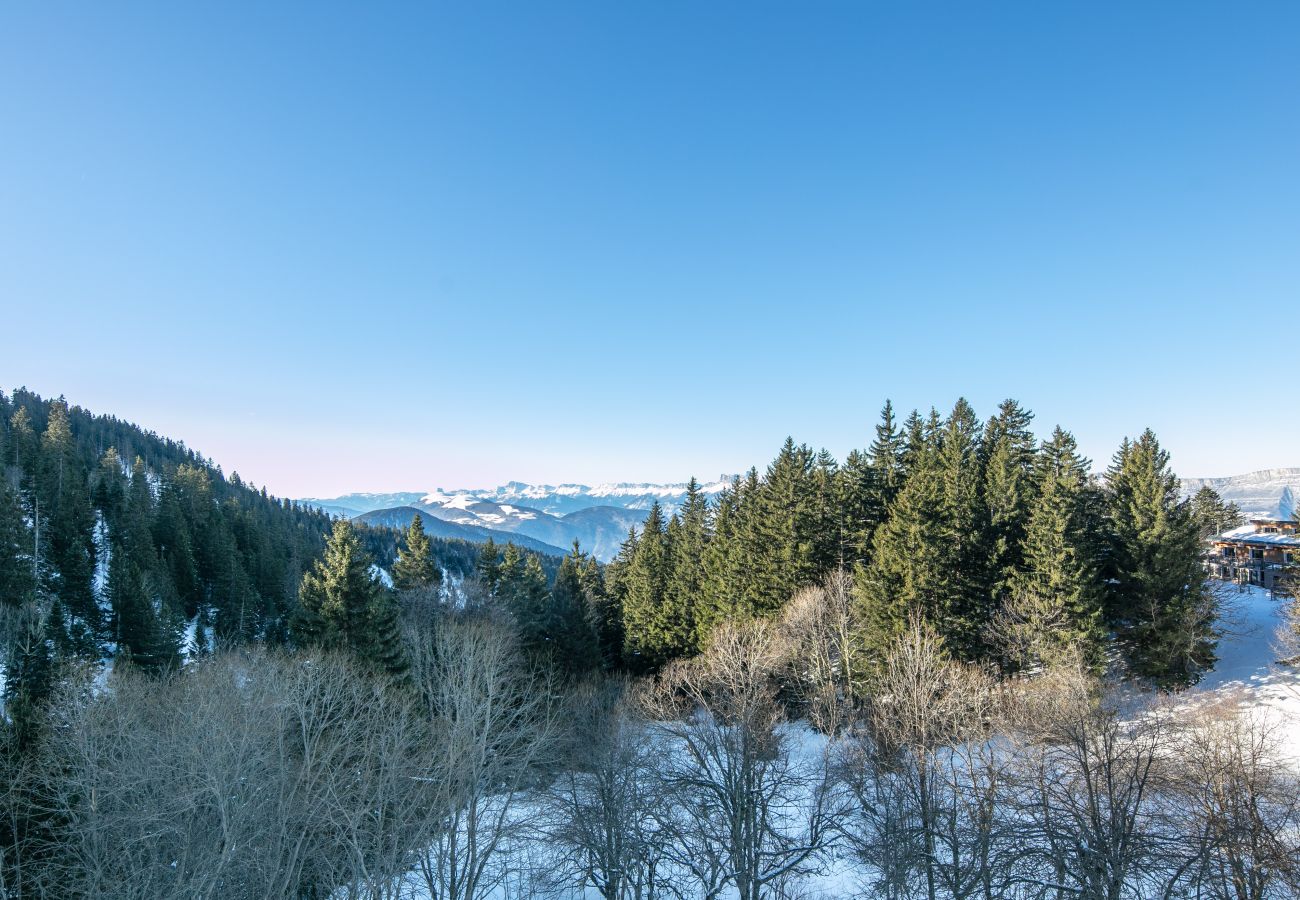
column 1246, row 672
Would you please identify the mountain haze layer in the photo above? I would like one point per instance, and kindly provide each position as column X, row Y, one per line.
column 597, row 517
column 600, row 516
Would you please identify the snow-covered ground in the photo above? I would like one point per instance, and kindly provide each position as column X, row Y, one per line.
column 1247, row 672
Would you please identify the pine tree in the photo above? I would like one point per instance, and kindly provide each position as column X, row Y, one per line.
column 488, row 566
column 143, row 627
column 528, row 601
column 785, row 524
column 192, row 551
column 688, row 545
column 342, row 607
column 721, row 562
column 908, row 571
column 109, row 491
column 1058, row 565
column 1212, row 515
column 917, row 434
column 415, row 569
column 604, row 614
column 17, row 572
column 826, row 523
column 886, row 460
column 1008, row 490
column 28, row 680
column 653, row 632
column 142, row 639
column 856, row 494
column 509, row 575
column 68, row 530
column 927, row 558
column 23, row 443
column 569, row 628
column 965, row 523
column 381, row 643
column 869, row 483
column 1160, row 603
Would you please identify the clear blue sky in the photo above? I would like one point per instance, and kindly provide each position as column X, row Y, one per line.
column 403, row 246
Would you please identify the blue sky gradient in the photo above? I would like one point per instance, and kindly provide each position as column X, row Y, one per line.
column 373, row 247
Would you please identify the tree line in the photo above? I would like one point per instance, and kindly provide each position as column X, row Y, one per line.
column 1006, row 544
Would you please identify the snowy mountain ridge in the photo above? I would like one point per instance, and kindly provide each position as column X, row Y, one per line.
column 598, row 517
column 548, row 498
column 1271, row 493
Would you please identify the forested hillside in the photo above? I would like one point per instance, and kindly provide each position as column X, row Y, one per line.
column 119, row 543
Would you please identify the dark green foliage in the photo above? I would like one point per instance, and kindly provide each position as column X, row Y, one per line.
column 568, row 632
column 1159, row 603
column 66, row 518
column 144, row 627
column 1212, row 515
column 209, row 552
column 868, row 484
column 142, row 636
column 342, row 607
column 1058, row 554
column 970, row 526
column 723, row 572
column 908, row 571
column 522, row 591
column 488, row 568
column 1007, row 450
column 17, row 569
column 655, row 629
column 415, row 569
column 943, row 517
column 29, row 676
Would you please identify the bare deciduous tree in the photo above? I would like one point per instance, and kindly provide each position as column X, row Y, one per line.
column 246, row 775
column 745, row 810
column 825, row 651
column 603, row 803
column 493, row 726
column 1091, row 791
column 1238, row 802
column 927, row 776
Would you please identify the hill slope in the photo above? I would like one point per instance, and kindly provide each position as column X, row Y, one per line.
column 399, row 517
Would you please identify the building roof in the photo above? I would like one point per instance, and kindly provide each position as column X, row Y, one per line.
column 1247, row 534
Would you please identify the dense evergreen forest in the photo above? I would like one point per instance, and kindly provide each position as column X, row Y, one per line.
column 118, row 543
column 1005, row 543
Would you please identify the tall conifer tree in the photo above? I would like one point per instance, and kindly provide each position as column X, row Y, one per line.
column 653, row 631
column 342, row 606
column 1160, row 602
column 1008, row 457
column 1058, row 566
column 415, row 569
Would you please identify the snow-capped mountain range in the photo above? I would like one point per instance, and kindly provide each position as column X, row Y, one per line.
column 1269, row 493
column 597, row 517
column 567, row 498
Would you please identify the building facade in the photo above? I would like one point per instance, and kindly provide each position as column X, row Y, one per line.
column 1261, row 553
